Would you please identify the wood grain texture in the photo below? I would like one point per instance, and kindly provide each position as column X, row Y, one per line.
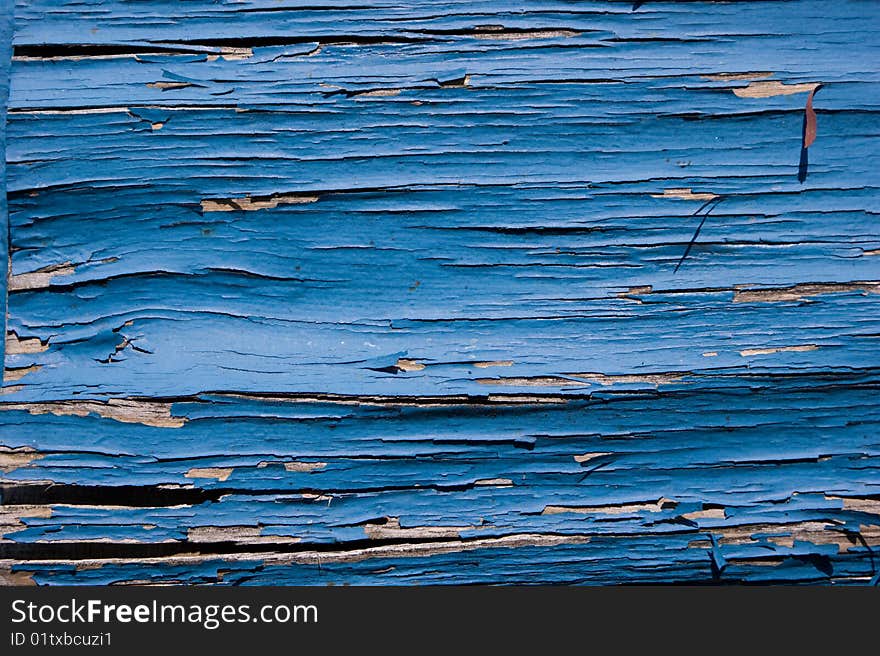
column 386, row 293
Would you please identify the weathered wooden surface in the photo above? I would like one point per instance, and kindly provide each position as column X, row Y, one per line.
column 386, row 293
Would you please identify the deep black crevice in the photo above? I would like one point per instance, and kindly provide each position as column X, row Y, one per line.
column 138, row 496
column 87, row 550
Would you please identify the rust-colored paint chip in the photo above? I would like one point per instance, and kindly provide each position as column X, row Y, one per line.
column 809, row 134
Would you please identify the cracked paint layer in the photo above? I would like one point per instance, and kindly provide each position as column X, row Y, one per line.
column 424, row 294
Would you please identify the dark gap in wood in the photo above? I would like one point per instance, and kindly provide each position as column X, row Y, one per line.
column 138, row 496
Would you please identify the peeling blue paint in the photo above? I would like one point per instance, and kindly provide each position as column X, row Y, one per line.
column 388, row 294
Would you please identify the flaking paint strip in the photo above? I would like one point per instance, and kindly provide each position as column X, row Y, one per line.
column 14, row 458
column 801, row 348
column 802, row 291
column 623, row 509
column 148, row 413
column 218, row 473
column 249, row 204
column 16, row 345
column 771, row 88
